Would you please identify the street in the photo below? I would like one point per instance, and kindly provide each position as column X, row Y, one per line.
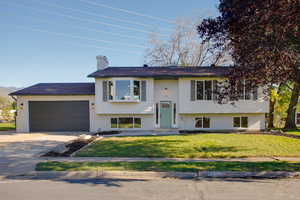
column 109, row 189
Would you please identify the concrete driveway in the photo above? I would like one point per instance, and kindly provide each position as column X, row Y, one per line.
column 20, row 152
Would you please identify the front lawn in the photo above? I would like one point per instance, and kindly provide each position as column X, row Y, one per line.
column 169, row 166
column 194, row 146
column 7, row 126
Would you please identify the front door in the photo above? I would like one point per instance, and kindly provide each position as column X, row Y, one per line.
column 165, row 114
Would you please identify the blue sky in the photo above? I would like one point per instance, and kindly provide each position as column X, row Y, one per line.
column 57, row 41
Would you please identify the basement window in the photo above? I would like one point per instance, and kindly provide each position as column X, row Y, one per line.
column 126, row 122
column 240, row 122
column 202, row 122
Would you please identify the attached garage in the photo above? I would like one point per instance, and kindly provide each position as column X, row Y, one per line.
column 59, row 116
column 56, row 107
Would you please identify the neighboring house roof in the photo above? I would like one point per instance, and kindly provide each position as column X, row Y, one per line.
column 57, row 89
column 161, row 72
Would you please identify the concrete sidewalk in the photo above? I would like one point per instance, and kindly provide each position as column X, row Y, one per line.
column 122, row 159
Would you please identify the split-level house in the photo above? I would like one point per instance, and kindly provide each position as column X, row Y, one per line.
column 139, row 98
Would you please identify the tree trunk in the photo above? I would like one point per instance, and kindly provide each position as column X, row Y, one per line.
column 271, row 114
column 291, row 112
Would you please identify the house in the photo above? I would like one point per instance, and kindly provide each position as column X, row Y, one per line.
column 139, row 98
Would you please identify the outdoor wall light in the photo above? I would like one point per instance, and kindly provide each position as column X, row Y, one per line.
column 93, row 105
column 165, row 92
column 21, row 106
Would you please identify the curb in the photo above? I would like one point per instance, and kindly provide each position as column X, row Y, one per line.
column 255, row 175
column 65, row 175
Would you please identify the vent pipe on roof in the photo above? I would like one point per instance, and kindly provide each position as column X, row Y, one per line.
column 102, row 62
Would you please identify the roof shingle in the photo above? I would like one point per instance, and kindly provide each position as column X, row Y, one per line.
column 161, row 72
column 57, row 89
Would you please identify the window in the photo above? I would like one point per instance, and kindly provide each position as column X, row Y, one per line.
column 240, row 122
column 124, row 90
column 236, row 122
column 156, row 113
column 110, row 90
column 126, row 122
column 137, row 123
column 114, row 122
column 298, row 118
column 174, row 113
column 204, row 90
column 244, row 90
column 202, row 122
column 136, row 90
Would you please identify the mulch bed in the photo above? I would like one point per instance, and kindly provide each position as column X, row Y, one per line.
column 74, row 146
column 107, row 133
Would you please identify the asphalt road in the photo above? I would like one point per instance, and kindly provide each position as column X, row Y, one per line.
column 167, row 189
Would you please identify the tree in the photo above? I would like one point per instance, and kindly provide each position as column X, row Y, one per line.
column 264, row 41
column 184, row 48
column 4, row 102
column 282, row 97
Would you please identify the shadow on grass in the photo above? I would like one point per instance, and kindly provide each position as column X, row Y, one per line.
column 155, row 148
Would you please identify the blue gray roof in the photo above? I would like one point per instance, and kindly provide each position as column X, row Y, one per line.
column 58, row 89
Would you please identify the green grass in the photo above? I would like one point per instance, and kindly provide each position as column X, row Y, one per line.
column 294, row 132
column 194, row 146
column 7, row 126
column 168, row 166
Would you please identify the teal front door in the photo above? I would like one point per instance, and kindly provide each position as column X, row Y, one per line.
column 165, row 114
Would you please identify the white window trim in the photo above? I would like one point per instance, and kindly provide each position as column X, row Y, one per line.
column 131, row 91
column 126, row 128
column 202, row 117
column 240, row 127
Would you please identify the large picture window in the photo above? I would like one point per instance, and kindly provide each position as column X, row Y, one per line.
column 202, row 122
column 126, row 122
column 124, row 90
column 204, row 90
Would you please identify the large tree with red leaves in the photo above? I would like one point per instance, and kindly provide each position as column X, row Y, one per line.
column 264, row 40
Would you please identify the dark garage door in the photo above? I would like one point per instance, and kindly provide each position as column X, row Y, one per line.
column 59, row 116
